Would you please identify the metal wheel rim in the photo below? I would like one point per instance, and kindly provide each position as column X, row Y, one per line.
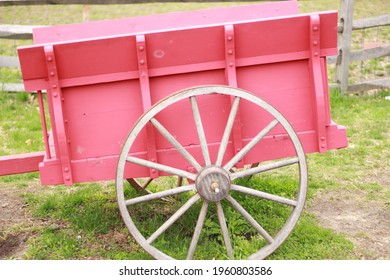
column 193, row 92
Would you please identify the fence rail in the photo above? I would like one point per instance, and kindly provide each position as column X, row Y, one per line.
column 345, row 56
column 342, row 60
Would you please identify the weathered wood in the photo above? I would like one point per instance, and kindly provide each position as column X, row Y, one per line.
column 344, row 44
column 8, row 31
column 371, row 22
column 364, row 54
column 370, row 53
column 9, row 61
column 12, row 87
column 95, row 2
column 368, row 85
column 331, row 59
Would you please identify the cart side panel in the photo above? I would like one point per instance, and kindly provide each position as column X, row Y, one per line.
column 98, row 116
column 175, row 52
column 153, row 23
column 103, row 85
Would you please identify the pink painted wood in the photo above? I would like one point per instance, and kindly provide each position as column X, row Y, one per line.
column 21, row 163
column 106, row 84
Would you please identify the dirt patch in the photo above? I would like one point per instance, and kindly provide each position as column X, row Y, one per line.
column 15, row 223
column 13, row 246
column 363, row 220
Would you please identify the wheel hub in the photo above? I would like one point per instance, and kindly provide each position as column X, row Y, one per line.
column 213, row 183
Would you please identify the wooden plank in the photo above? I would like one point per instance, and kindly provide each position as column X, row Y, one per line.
column 21, row 163
column 146, row 24
column 95, row 2
column 371, row 22
column 370, row 53
column 344, row 43
column 9, row 61
column 368, row 85
column 10, row 31
column 12, row 87
column 117, row 55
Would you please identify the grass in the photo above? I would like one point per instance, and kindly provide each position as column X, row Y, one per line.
column 20, row 129
column 82, row 222
column 367, row 119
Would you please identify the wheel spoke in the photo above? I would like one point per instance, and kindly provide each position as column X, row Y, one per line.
column 250, row 219
column 198, row 228
column 164, row 132
column 173, row 218
column 227, row 132
column 264, row 195
column 159, row 195
column 263, row 168
column 161, row 167
column 251, row 144
column 200, row 130
column 224, row 229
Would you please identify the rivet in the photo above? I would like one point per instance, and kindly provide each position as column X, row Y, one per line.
column 141, row 48
column 67, row 178
column 315, row 28
column 322, row 138
column 316, row 54
column 323, row 146
column 230, row 38
column 66, row 169
column 230, row 52
column 49, row 58
column 55, row 94
column 153, row 170
column 52, row 73
column 142, row 62
column 54, row 86
column 315, row 43
column 231, row 64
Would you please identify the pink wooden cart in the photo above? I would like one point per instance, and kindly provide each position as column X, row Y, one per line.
column 209, row 96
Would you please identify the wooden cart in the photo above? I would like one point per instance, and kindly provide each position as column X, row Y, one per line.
column 209, row 96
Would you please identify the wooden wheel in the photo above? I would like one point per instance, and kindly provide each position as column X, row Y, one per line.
column 214, row 182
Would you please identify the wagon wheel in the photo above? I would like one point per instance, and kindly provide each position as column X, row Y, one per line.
column 214, row 183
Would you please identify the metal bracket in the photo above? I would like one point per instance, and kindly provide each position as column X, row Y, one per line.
column 317, row 81
column 58, row 123
column 231, row 77
column 146, row 100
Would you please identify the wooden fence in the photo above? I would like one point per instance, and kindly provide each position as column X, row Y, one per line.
column 345, row 56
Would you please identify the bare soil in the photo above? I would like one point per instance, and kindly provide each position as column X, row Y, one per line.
column 17, row 225
column 362, row 216
column 12, row 213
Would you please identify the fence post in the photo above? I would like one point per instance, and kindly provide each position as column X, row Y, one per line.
column 344, row 44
